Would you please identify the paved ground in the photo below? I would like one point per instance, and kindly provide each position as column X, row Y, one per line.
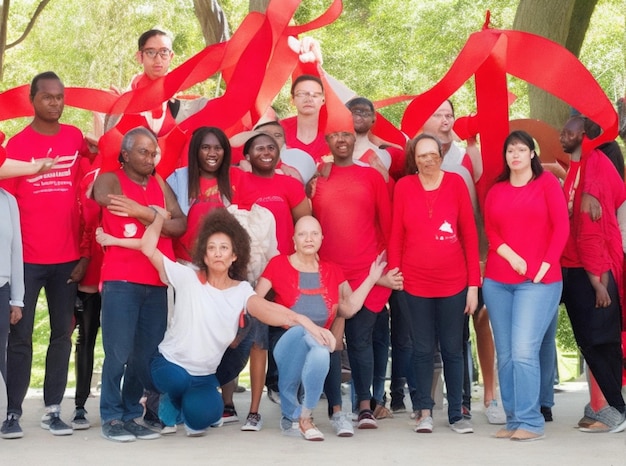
column 394, row 442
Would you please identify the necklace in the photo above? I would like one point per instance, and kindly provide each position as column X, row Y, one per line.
column 431, row 198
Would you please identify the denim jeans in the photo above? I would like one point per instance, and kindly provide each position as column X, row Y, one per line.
column 548, row 364
column 234, row 360
column 442, row 319
column 134, row 318
column 61, row 297
column 196, row 397
column 300, row 359
column 359, row 340
column 401, row 349
column 380, row 342
column 520, row 315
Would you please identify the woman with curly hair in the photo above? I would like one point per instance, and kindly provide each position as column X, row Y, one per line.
column 210, row 301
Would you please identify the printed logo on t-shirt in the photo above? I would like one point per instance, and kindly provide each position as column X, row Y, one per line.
column 130, row 230
column 60, row 178
column 446, row 233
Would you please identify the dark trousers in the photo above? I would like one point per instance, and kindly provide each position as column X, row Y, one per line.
column 597, row 331
column 88, row 322
column 61, row 297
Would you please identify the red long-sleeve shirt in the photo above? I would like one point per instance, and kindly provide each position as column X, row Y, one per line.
column 433, row 237
column 533, row 221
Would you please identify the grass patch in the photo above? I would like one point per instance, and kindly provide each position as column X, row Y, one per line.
column 41, row 339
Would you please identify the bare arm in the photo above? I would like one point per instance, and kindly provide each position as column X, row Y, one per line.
column 350, row 302
column 279, row 316
column 302, row 209
column 176, row 224
column 11, row 167
column 147, row 244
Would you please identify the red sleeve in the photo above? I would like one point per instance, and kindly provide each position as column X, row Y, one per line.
column 469, row 234
column 559, row 218
column 396, row 240
column 383, row 206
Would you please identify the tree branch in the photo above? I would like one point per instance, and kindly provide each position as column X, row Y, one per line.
column 31, row 23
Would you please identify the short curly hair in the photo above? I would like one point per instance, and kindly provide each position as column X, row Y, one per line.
column 221, row 221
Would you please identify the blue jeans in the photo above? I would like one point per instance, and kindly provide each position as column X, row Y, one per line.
column 520, row 315
column 61, row 297
column 401, row 349
column 432, row 319
column 548, row 364
column 359, row 340
column 134, row 318
column 196, row 396
column 300, row 359
column 380, row 342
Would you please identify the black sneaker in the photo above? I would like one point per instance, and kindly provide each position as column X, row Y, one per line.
column 229, row 415
column 54, row 423
column 114, row 430
column 547, row 413
column 79, row 421
column 140, row 432
column 11, row 427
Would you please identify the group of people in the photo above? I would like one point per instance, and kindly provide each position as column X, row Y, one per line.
column 303, row 234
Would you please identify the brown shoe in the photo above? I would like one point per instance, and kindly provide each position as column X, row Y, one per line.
column 504, row 433
column 381, row 412
column 521, row 435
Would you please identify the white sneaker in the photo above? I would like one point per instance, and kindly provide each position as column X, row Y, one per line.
column 341, row 425
column 424, row 425
column 253, row 423
column 194, row 433
column 495, row 413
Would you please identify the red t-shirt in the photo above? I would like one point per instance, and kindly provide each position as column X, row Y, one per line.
column 123, row 264
column 317, row 148
column 48, row 203
column 352, row 205
column 89, row 221
column 433, row 237
column 512, row 214
column 279, row 194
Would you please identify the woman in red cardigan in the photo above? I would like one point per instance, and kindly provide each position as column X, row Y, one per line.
column 435, row 244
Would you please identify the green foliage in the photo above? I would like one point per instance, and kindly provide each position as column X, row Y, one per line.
column 379, row 48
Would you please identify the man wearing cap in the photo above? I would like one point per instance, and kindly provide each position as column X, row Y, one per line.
column 352, row 204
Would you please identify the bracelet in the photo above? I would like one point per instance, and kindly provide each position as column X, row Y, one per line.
column 155, row 213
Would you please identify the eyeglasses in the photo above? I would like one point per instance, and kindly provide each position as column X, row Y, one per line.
column 152, row 53
column 305, row 94
column 440, row 116
column 428, row 155
column 362, row 113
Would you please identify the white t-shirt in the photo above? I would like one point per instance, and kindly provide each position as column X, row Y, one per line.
column 204, row 322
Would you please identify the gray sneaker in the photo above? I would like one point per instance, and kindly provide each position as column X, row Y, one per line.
column 11, row 427
column 54, row 423
column 114, row 431
column 424, row 425
column 79, row 421
column 289, row 428
column 462, row 426
column 140, row 432
column 341, row 425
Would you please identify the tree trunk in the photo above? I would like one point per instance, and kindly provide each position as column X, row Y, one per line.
column 4, row 19
column 212, row 21
column 259, row 5
column 564, row 22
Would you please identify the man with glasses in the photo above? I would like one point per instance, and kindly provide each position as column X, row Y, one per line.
column 302, row 131
column 155, row 55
